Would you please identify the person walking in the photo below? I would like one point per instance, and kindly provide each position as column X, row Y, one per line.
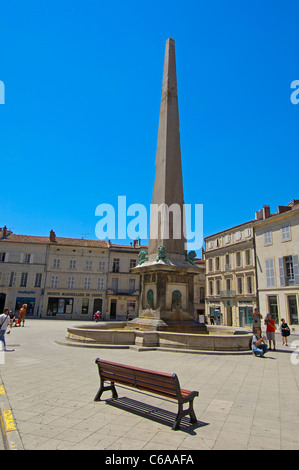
column 4, row 322
column 259, row 348
column 270, row 330
column 256, row 320
column 285, row 331
column 22, row 314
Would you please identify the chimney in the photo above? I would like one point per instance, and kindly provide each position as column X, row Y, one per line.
column 4, row 231
column 52, row 237
column 266, row 211
column 259, row 215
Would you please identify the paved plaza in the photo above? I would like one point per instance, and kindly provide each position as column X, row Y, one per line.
column 48, row 389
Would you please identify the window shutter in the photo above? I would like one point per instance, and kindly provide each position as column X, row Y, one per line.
column 296, row 269
column 281, row 272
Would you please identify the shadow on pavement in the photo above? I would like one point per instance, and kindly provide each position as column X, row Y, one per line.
column 153, row 413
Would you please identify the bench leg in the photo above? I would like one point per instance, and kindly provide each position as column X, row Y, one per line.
column 181, row 413
column 193, row 418
column 103, row 389
column 178, row 418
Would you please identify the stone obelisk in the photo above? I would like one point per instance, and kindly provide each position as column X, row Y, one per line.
column 166, row 273
column 168, row 187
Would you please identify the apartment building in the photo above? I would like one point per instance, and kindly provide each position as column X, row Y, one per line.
column 56, row 277
column 231, row 275
column 76, row 278
column 277, row 249
column 23, row 261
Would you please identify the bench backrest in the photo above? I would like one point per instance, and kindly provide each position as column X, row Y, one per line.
column 142, row 379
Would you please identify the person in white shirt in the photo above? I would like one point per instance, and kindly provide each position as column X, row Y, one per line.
column 4, row 322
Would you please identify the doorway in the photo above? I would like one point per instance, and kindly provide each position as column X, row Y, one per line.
column 113, row 309
column 97, row 305
column 2, row 302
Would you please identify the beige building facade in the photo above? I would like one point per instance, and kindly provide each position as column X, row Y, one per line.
column 277, row 250
column 231, row 276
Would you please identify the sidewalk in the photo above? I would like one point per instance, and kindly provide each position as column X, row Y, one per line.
column 47, row 391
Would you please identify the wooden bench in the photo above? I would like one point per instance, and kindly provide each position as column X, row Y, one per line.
column 158, row 383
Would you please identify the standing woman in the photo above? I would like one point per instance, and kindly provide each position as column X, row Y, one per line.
column 22, row 314
column 285, row 331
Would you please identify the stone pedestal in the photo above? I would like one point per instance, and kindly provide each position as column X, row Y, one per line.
column 167, row 297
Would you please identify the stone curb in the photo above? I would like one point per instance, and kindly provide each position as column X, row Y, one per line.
column 140, row 348
column 10, row 434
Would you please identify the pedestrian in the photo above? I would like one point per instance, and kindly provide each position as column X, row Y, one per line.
column 285, row 331
column 12, row 318
column 256, row 320
column 22, row 314
column 212, row 320
column 259, row 348
column 270, row 330
column 4, row 322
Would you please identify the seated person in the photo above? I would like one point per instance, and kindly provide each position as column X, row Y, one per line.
column 259, row 348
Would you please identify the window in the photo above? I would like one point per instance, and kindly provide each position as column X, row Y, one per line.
column 289, row 271
column 268, row 237
column 131, row 285
column 238, row 236
column 286, row 233
column 227, row 238
column 54, row 282
column 88, row 264
column 87, row 283
column 293, row 310
column 72, row 264
column 249, row 285
column 24, row 278
column 102, row 265
column 228, row 284
column 132, row 263
column 248, row 256
column 218, row 287
column 115, row 284
column 56, row 263
column 210, row 265
column 38, row 280
column 217, row 261
column 227, row 262
column 115, row 266
column 211, row 287
column 70, row 282
column 240, row 285
column 100, row 283
column 12, row 279
column 270, row 273
column 2, row 257
column 247, row 232
column 238, row 258
column 27, row 258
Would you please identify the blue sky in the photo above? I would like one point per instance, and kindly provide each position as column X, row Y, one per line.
column 82, row 98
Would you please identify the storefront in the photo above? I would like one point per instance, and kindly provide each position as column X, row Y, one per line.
column 69, row 305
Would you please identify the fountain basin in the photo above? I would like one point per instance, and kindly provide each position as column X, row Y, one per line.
column 115, row 334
